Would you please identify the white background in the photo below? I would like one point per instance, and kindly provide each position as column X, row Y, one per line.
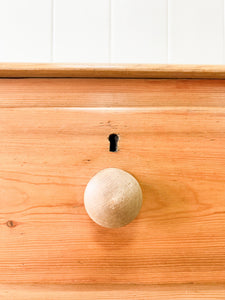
column 112, row 31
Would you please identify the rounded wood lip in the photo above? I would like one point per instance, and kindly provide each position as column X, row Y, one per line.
column 148, row 71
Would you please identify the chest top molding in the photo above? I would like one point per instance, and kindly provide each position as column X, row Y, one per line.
column 150, row 71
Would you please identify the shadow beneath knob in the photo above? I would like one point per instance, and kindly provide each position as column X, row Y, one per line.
column 114, row 238
column 168, row 205
column 171, row 201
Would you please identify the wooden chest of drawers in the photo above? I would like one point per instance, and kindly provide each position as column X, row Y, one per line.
column 54, row 127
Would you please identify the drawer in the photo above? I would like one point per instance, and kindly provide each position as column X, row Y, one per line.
column 54, row 138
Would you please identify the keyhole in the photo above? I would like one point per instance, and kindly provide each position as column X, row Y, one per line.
column 113, row 141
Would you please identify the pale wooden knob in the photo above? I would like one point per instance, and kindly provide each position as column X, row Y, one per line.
column 113, row 198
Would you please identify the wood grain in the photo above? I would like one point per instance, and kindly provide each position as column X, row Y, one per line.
column 47, row 157
column 111, row 292
column 112, row 70
column 111, row 93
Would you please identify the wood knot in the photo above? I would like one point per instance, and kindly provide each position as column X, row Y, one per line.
column 11, row 224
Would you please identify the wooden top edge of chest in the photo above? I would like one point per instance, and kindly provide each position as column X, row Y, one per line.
column 151, row 71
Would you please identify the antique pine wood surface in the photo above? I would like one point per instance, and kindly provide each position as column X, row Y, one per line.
column 109, row 292
column 111, row 70
column 54, row 139
column 49, row 154
column 75, row 92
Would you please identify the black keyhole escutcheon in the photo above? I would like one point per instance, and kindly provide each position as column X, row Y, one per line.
column 113, row 142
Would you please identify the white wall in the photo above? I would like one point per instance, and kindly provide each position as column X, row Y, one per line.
column 117, row 31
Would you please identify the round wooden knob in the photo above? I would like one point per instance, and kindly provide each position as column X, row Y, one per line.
column 113, row 198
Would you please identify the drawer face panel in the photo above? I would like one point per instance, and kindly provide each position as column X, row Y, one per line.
column 49, row 154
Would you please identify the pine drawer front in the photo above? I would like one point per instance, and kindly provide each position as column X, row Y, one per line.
column 54, row 138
